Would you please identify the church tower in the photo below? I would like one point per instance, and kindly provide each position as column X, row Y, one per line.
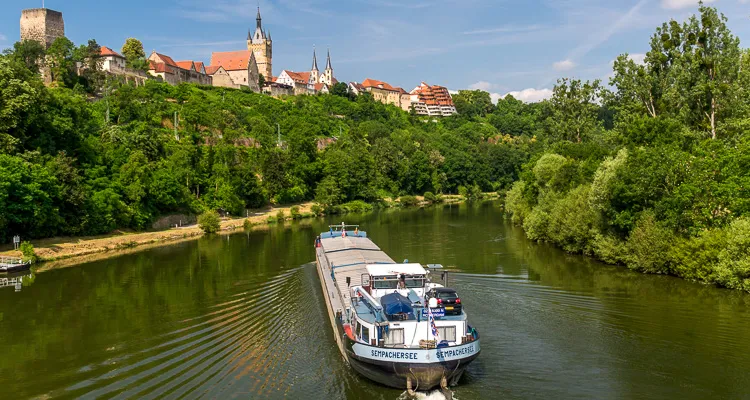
column 262, row 47
column 328, row 73
column 314, row 71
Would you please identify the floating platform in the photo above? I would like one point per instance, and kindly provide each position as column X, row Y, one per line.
column 13, row 264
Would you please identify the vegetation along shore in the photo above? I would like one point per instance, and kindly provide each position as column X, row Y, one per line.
column 650, row 171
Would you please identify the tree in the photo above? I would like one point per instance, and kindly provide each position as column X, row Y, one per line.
column 90, row 57
column 575, row 106
column 61, row 61
column 261, row 81
column 135, row 57
column 30, row 52
column 473, row 103
column 340, row 89
column 710, row 67
column 209, row 222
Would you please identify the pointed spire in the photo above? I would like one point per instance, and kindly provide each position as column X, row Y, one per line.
column 328, row 63
column 315, row 61
column 258, row 19
column 249, row 35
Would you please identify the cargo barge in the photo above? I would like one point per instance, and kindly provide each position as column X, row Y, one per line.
column 392, row 323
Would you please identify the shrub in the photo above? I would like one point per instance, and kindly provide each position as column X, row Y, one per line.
column 316, row 210
column 536, row 224
column 27, row 249
column 609, row 249
column 294, row 211
column 271, row 219
column 209, row 221
column 408, row 201
column 572, row 223
column 516, row 204
column 356, row 206
column 247, row 224
column 429, row 197
column 648, row 246
column 280, row 216
column 733, row 269
column 696, row 258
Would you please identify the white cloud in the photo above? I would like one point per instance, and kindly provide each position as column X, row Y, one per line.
column 564, row 65
column 679, row 4
column 532, row 95
column 638, row 58
column 495, row 97
column 482, row 85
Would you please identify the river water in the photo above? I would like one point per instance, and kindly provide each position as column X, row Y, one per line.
column 242, row 316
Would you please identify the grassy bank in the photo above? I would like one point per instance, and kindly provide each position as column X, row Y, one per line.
column 59, row 252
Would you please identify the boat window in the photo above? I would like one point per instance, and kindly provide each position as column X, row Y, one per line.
column 383, row 284
column 447, row 333
column 414, row 283
column 394, row 337
column 364, row 333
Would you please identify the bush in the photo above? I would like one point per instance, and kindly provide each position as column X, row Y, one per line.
column 294, row 211
column 27, row 249
column 536, row 224
column 356, row 206
column 515, row 203
column 209, row 221
column 429, row 197
column 247, row 224
column 271, row 219
column 733, row 269
column 280, row 216
column 408, row 201
column 316, row 210
column 572, row 223
column 648, row 246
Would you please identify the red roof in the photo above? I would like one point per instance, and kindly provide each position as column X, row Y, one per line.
column 158, row 67
column 199, row 66
column 212, row 69
column 167, row 59
column 274, row 78
column 319, row 86
column 433, row 95
column 299, row 77
column 107, row 52
column 231, row 60
column 186, row 65
column 377, row 84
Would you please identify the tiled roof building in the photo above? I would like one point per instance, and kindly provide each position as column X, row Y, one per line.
column 241, row 66
column 432, row 100
column 174, row 73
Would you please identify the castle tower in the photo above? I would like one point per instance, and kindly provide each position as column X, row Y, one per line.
column 328, row 73
column 42, row 25
column 261, row 44
column 314, row 72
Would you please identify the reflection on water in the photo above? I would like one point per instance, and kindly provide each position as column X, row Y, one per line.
column 16, row 280
column 242, row 316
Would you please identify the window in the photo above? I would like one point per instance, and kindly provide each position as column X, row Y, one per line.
column 447, row 333
column 394, row 337
column 364, row 333
column 379, row 283
column 414, row 283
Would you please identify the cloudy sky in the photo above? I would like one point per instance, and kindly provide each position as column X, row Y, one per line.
column 501, row 46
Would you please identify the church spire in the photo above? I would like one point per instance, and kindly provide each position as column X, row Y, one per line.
column 258, row 19
column 328, row 62
column 315, row 61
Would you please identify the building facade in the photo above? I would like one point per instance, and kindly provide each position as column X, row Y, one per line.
column 42, row 25
column 384, row 93
column 164, row 67
column 309, row 82
column 113, row 63
column 241, row 66
column 434, row 101
column 260, row 43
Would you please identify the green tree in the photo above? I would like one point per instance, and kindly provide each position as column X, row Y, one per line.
column 61, row 61
column 135, row 57
column 209, row 222
column 575, row 106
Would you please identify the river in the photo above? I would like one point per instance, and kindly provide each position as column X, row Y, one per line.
column 242, row 316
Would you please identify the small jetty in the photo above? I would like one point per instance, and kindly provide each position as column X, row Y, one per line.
column 13, row 264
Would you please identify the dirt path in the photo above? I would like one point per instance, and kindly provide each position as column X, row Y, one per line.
column 63, row 248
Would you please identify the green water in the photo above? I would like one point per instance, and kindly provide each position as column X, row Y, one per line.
column 242, row 316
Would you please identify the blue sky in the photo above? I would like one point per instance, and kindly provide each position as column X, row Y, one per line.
column 500, row 46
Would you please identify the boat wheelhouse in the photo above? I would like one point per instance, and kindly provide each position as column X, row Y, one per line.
column 385, row 324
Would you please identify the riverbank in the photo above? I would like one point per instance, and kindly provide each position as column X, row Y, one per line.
column 60, row 252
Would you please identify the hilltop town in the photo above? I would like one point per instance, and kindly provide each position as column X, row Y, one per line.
column 249, row 69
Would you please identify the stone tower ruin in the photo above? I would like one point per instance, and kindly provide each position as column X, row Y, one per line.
column 42, row 25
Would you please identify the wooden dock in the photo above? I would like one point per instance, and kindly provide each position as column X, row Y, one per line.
column 13, row 264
